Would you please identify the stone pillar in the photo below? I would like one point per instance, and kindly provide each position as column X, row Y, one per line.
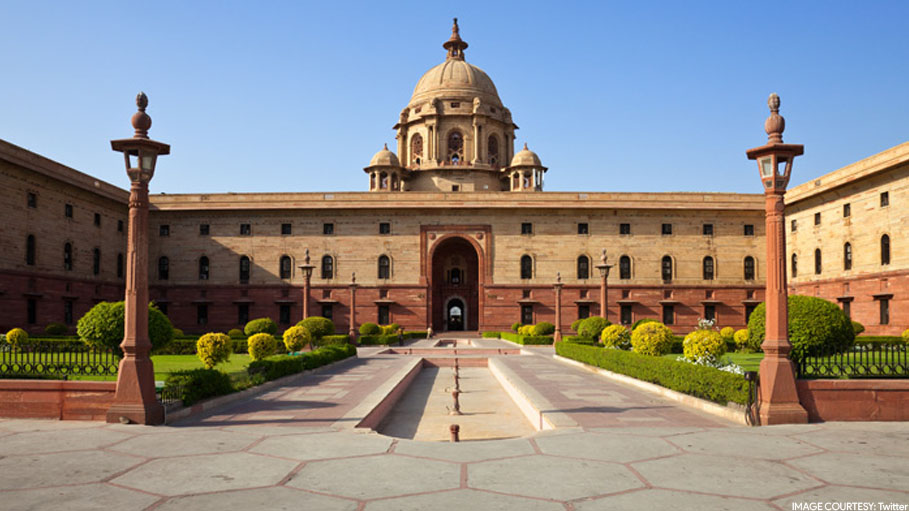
column 604, row 309
column 558, row 310
column 306, row 291
column 476, row 142
column 352, row 331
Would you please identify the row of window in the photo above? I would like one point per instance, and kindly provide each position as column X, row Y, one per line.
column 31, row 201
column 31, row 255
column 666, row 267
column 285, row 270
column 286, row 229
column 847, row 257
column 625, row 229
column 847, row 211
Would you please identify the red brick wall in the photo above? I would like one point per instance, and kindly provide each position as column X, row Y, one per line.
column 855, row 400
column 56, row 399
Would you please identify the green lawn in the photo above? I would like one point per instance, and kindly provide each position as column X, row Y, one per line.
column 166, row 364
column 747, row 361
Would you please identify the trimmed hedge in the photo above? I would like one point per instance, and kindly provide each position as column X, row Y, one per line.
column 543, row 328
column 527, row 339
column 56, row 329
column 577, row 339
column 369, row 328
column 696, row 380
column 333, row 340
column 318, row 326
column 260, row 326
column 887, row 340
column 198, row 384
column 492, row 335
column 278, row 366
column 377, row 340
column 816, row 327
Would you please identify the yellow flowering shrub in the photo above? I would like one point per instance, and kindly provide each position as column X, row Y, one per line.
column 261, row 346
column 213, row 348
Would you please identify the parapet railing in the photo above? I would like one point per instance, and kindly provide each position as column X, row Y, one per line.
column 60, row 360
column 883, row 360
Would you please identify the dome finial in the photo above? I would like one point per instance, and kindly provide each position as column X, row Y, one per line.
column 455, row 45
column 775, row 124
column 140, row 120
column 525, row 146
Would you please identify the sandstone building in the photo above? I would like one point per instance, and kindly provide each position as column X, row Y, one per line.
column 455, row 232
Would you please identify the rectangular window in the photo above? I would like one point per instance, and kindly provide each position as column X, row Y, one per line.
column 749, row 230
column 526, row 228
column 202, row 314
column 68, row 312
column 383, row 315
column 710, row 312
column 204, row 230
column 708, row 229
column 527, row 314
column 32, row 200
column 284, row 314
column 328, row 228
column 583, row 228
column 327, row 311
column 286, row 229
column 163, row 230
column 668, row 314
column 794, row 226
column 32, row 311
column 625, row 315
column 748, row 310
column 885, row 311
column 456, row 188
column 624, row 228
column 242, row 313
column 817, row 219
column 68, row 210
column 119, row 225
column 97, row 219
column 384, row 228
column 667, row 229
column 583, row 311
column 245, row 230
column 847, row 210
column 885, row 199
column 847, row 309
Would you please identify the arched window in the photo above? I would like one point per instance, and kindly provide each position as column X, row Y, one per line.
column 454, row 277
column 384, row 267
column 96, row 261
column 383, row 181
column 30, row 250
column 416, row 149
column 285, row 267
column 515, row 181
column 795, row 266
column 708, row 268
column 526, row 267
column 624, row 267
column 885, row 249
column 583, row 267
column 244, row 269
column 492, row 150
column 328, row 267
column 203, row 268
column 749, row 268
column 526, row 181
column 817, row 261
column 163, row 268
column 666, row 267
column 455, row 148
column 847, row 256
column 394, row 181
column 68, row 256
column 120, row 265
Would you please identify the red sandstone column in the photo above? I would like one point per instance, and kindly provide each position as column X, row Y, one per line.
column 307, row 269
column 352, row 331
column 603, row 268
column 558, row 310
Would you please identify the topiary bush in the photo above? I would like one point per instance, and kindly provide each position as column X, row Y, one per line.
column 816, row 327
column 178, row 333
column 102, row 326
column 370, row 329
column 260, row 326
column 858, row 327
column 198, row 384
column 526, row 330
column 741, row 339
column 616, row 336
column 704, row 346
column 56, row 328
column 575, row 324
column 318, row 326
column 728, row 335
column 391, row 329
column 592, row 327
column 641, row 322
column 651, row 338
column 213, row 348
column 516, row 326
column 17, row 337
column 235, row 333
column 905, row 335
column 261, row 346
column 543, row 328
column 296, row 337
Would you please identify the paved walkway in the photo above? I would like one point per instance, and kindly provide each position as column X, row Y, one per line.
column 288, row 449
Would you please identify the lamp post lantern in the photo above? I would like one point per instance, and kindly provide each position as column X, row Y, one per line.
column 779, row 400
column 135, row 400
column 604, row 274
column 307, row 268
column 557, row 336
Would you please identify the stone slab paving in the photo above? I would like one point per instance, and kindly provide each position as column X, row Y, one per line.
column 281, row 450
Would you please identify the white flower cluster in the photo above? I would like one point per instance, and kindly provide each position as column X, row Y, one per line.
column 706, row 324
column 711, row 361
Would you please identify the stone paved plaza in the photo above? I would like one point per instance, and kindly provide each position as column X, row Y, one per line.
column 290, row 448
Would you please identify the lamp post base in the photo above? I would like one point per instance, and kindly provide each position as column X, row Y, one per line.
column 786, row 413
column 779, row 398
column 149, row 414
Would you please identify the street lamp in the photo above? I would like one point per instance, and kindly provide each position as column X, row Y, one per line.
column 135, row 400
column 352, row 331
column 307, row 269
column 604, row 274
column 557, row 335
column 779, row 400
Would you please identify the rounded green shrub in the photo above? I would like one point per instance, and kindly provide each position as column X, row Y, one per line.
column 526, row 330
column 102, row 326
column 178, row 333
column 640, row 322
column 728, row 334
column 17, row 337
column 906, row 335
column 575, row 324
column 390, row 329
column 516, row 327
column 370, row 329
column 235, row 333
column 816, row 327
column 651, row 338
column 704, row 346
column 56, row 329
column 260, row 326
column 592, row 327
column 296, row 337
column 543, row 328
column 616, row 336
column 741, row 338
column 858, row 327
column 261, row 346
column 213, row 348
column 318, row 326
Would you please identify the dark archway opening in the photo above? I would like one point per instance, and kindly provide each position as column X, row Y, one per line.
column 455, row 285
column 454, row 313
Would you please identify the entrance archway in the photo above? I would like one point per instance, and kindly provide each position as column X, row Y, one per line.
column 455, row 285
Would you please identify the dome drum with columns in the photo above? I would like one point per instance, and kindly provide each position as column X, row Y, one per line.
column 455, row 135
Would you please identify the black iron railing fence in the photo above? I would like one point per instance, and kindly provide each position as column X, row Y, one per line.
column 862, row 361
column 57, row 360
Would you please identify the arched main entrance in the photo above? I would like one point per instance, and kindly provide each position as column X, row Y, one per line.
column 455, row 285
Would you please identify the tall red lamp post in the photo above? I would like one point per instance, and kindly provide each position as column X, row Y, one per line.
column 557, row 335
column 135, row 400
column 779, row 400
column 352, row 331
column 307, row 268
column 604, row 290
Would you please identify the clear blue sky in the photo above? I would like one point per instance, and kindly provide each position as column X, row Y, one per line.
column 293, row 96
